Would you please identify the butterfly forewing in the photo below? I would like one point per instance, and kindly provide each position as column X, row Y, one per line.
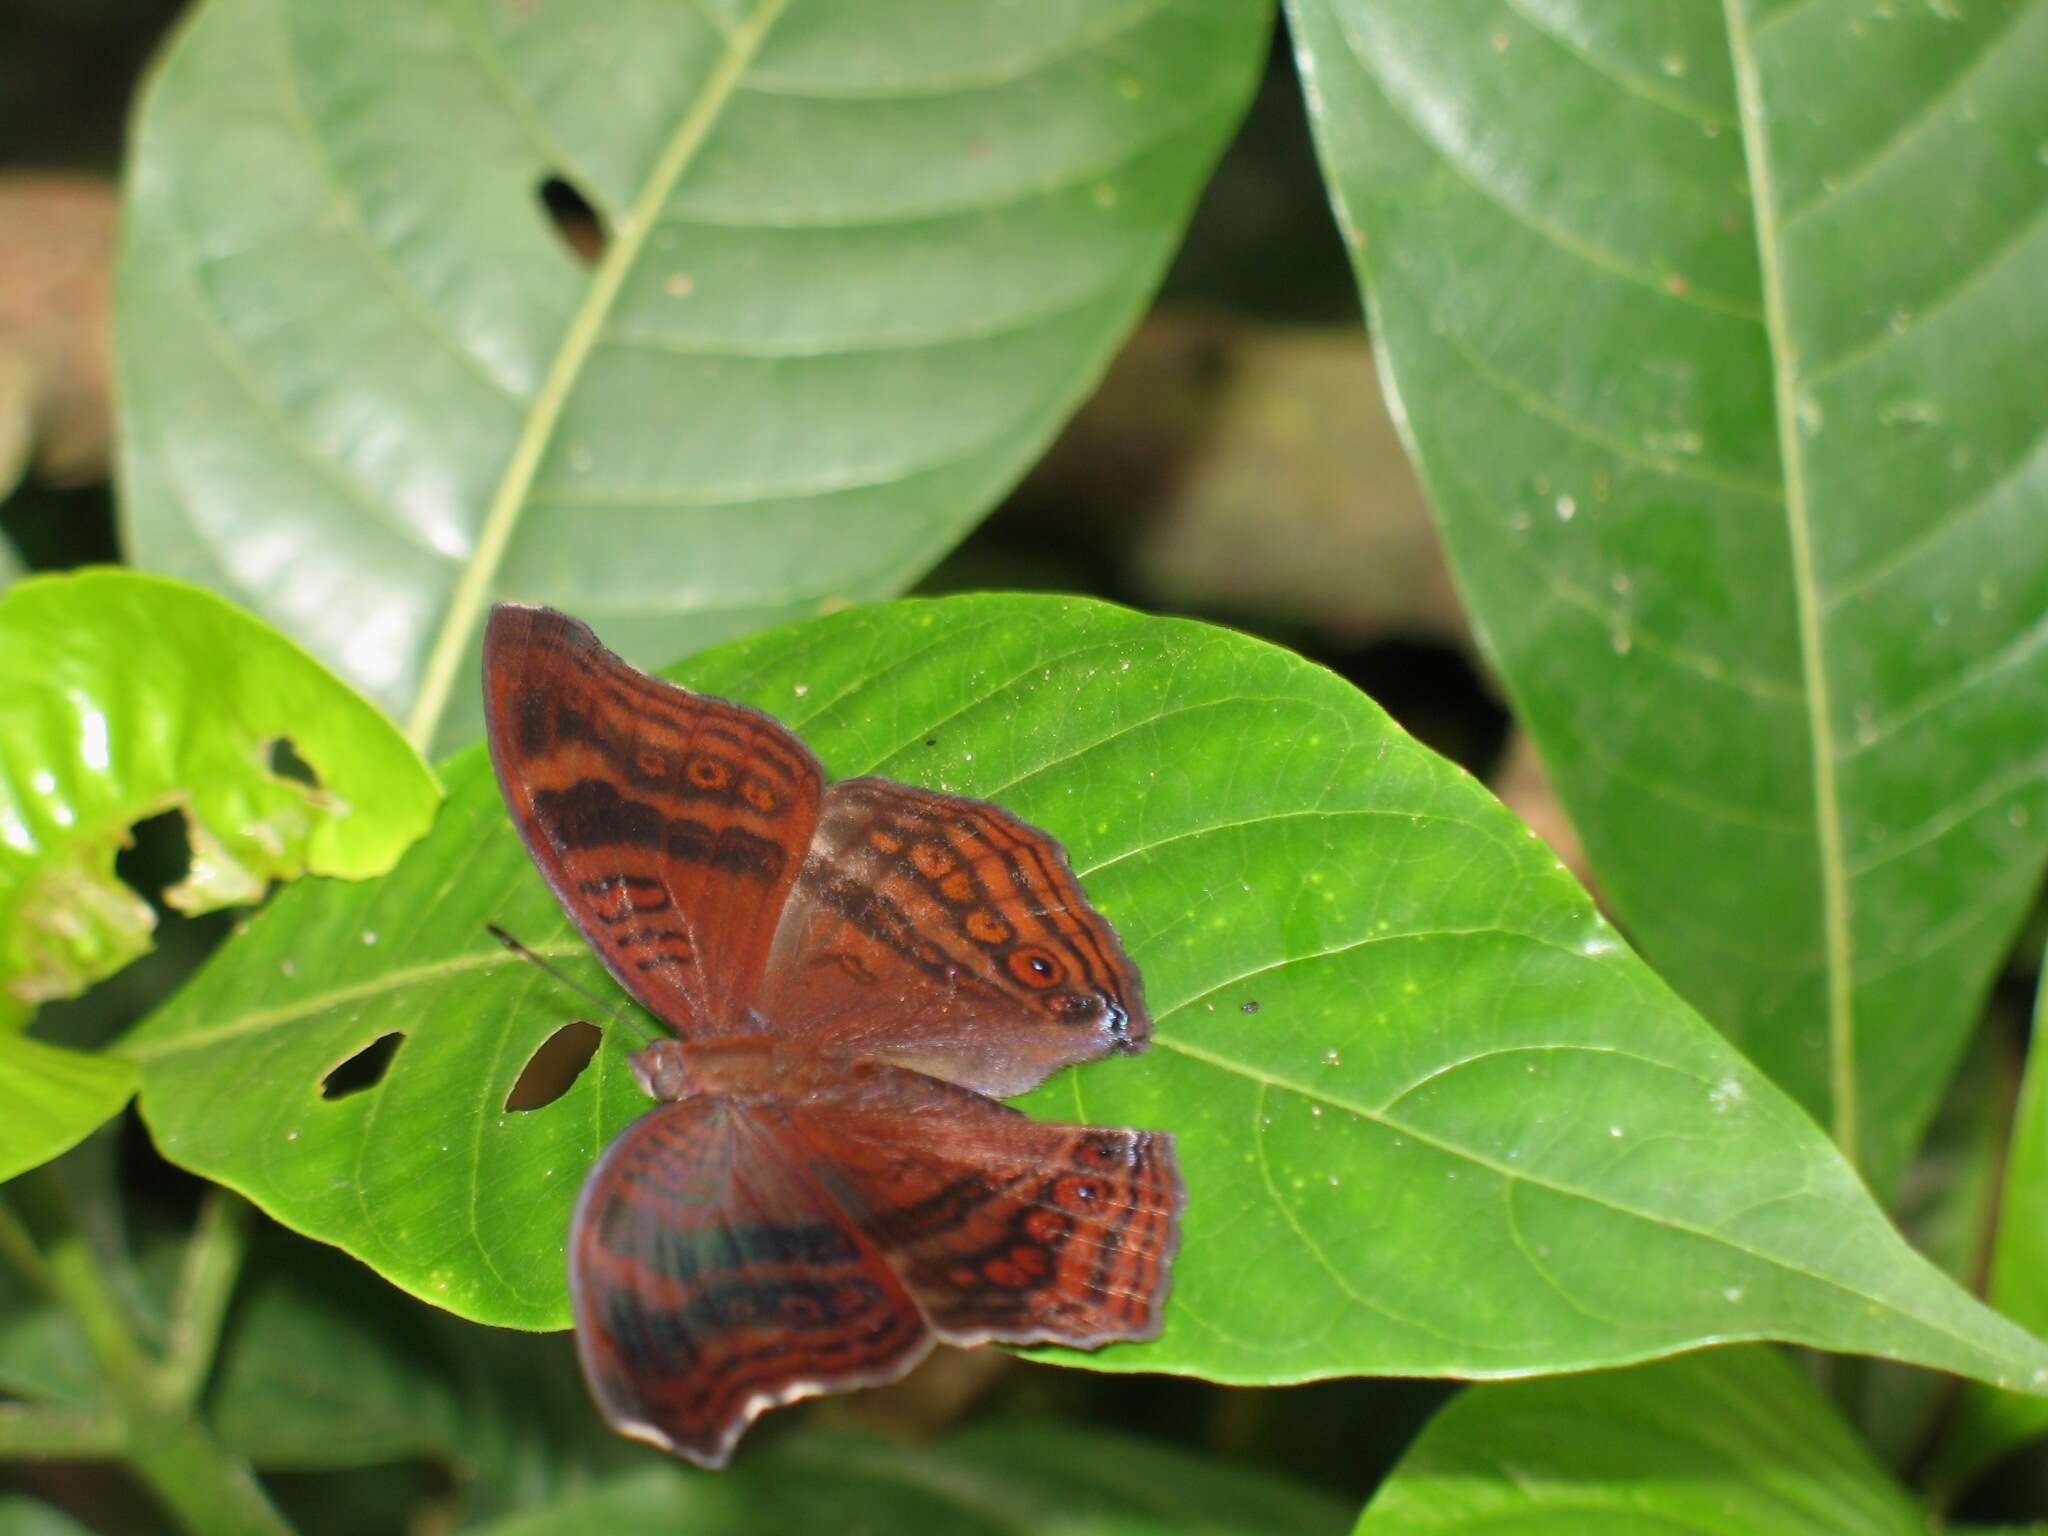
column 1004, row 1227
column 713, row 1278
column 943, row 934
column 671, row 825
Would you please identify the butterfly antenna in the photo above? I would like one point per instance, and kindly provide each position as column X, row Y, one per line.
column 519, row 949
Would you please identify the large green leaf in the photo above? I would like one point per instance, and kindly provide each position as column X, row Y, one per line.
column 1731, row 1442
column 52, row 1098
column 996, row 1480
column 861, row 259
column 1434, row 1117
column 1717, row 331
column 123, row 696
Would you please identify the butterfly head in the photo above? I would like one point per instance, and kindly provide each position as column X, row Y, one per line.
column 1103, row 1016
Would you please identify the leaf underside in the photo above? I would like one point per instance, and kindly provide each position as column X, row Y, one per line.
column 857, row 261
column 1735, row 433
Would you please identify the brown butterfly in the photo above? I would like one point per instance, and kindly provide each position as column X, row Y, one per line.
column 854, row 973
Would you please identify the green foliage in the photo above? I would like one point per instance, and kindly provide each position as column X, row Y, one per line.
column 1725, row 1443
column 1435, row 1116
column 55, row 1098
column 1716, row 333
column 1734, row 433
column 860, row 259
column 130, row 695
column 1000, row 1480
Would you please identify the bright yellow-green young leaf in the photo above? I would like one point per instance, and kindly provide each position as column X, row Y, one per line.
column 123, row 696
column 52, row 1098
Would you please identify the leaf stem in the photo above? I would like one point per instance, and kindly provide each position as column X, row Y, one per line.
column 19, row 1250
column 213, row 1261
column 204, row 1489
column 30, row 1432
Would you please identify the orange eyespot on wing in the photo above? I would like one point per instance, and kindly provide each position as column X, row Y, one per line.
column 671, row 825
column 947, row 936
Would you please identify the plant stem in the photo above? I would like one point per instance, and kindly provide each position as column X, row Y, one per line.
column 213, row 1260
column 206, row 1490
column 19, row 1250
column 28, row 1432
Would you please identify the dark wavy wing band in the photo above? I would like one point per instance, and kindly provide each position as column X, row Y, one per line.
column 671, row 825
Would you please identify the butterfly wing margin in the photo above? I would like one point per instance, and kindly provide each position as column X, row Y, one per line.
column 670, row 825
column 712, row 1279
column 944, row 935
column 1005, row 1228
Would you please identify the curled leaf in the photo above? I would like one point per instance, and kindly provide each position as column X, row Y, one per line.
column 126, row 696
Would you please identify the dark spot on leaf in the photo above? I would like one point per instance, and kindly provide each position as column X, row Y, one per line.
column 286, row 763
column 1249, row 1005
column 159, row 853
column 931, row 741
column 553, row 1069
column 364, row 1070
column 575, row 220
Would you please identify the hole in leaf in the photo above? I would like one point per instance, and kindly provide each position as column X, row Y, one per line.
column 158, row 854
column 286, row 763
column 553, row 1069
column 574, row 219
column 364, row 1070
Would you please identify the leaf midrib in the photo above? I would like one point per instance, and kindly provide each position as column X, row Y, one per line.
column 1806, row 596
column 473, row 590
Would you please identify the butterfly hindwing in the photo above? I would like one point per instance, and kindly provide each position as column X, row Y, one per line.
column 944, row 935
column 1004, row 1228
column 713, row 1278
column 671, row 825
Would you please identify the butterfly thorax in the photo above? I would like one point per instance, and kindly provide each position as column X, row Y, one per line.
column 670, row 1070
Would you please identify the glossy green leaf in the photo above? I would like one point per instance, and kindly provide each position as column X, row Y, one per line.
column 860, row 259
column 1730, row 1442
column 123, row 696
column 52, row 1098
column 1717, row 332
column 995, row 1480
column 1434, row 1117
